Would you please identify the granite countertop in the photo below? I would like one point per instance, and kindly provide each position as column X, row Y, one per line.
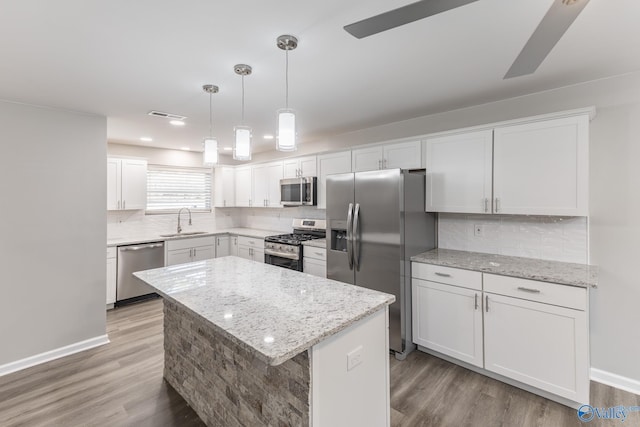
column 274, row 312
column 152, row 237
column 316, row 243
column 564, row 273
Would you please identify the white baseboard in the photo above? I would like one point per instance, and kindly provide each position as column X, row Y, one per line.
column 57, row 353
column 615, row 380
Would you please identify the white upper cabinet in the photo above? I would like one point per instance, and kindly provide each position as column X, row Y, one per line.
column 300, row 166
column 126, row 184
column 225, row 190
column 537, row 168
column 329, row 164
column 243, row 183
column 404, row 155
column 266, row 184
column 459, row 173
column 541, row 168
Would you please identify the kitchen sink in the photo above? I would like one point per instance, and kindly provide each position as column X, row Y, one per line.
column 185, row 233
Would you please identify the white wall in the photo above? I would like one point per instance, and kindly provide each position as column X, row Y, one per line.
column 52, row 230
column 161, row 156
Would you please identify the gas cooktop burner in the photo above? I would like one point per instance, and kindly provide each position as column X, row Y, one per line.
column 291, row 239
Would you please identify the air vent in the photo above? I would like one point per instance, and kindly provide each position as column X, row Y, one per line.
column 166, row 115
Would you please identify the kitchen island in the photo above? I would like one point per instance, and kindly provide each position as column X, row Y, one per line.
column 248, row 343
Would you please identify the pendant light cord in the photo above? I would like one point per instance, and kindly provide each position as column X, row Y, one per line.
column 210, row 117
column 242, row 119
column 286, row 74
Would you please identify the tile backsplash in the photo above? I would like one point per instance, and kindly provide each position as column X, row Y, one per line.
column 543, row 237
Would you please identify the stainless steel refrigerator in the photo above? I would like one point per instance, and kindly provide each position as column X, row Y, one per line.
column 376, row 221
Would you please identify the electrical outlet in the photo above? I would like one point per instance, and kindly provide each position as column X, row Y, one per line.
column 354, row 358
column 478, row 230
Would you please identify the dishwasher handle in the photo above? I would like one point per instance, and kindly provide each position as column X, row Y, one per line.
column 140, row 247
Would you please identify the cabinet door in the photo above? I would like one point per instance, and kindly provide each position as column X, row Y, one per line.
column 291, row 168
column 329, row 164
column 202, row 253
column 367, row 159
column 448, row 319
column 112, row 273
column 224, row 187
column 233, row 245
column 222, row 246
column 113, row 184
column 134, row 184
column 541, row 168
column 542, row 345
column 243, row 186
column 308, row 166
column 274, row 175
column 257, row 254
column 403, row 155
column 179, row 256
column 260, row 177
column 459, row 173
column 314, row 267
column 245, row 252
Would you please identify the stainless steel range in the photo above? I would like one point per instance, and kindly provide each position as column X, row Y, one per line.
column 286, row 250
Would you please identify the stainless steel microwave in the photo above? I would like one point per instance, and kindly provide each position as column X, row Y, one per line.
column 299, row 191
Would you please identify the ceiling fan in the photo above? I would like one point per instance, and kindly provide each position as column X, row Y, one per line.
column 555, row 23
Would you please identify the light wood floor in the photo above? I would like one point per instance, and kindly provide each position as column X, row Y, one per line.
column 120, row 384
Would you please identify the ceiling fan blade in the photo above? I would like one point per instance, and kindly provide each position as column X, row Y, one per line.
column 555, row 23
column 403, row 15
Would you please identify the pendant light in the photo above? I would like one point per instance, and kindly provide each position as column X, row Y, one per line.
column 210, row 156
column 242, row 142
column 286, row 140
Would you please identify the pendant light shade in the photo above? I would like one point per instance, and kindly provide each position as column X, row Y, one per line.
column 286, row 130
column 242, row 145
column 210, row 155
column 242, row 133
column 210, row 151
column 286, row 140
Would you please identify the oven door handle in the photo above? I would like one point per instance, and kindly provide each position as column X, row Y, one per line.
column 281, row 254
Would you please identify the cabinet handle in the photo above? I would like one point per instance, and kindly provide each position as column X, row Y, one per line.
column 224, row 203
column 318, row 253
column 379, row 164
column 476, row 301
column 384, row 164
column 486, row 204
column 486, row 303
column 442, row 274
column 124, row 204
column 497, row 205
column 530, row 290
column 118, row 204
column 194, row 252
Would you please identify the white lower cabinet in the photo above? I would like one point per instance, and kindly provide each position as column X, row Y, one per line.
column 190, row 250
column 448, row 319
column 233, row 245
column 222, row 246
column 112, row 273
column 314, row 261
column 251, row 248
column 535, row 333
column 542, row 344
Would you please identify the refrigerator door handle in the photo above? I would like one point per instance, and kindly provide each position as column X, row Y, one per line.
column 356, row 239
column 350, row 235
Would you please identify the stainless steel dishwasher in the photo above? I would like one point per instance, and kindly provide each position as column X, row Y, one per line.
column 132, row 258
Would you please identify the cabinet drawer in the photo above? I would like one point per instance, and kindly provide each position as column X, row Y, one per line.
column 532, row 290
column 252, row 242
column 450, row 276
column 112, row 252
column 191, row 242
column 315, row 253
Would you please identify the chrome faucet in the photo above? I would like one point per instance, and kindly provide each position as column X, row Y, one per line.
column 180, row 211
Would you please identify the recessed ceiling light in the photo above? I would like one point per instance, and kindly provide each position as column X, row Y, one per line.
column 177, row 122
column 146, row 139
column 185, row 148
column 268, row 136
column 228, row 148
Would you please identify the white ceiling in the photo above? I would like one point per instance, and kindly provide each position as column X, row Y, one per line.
column 123, row 58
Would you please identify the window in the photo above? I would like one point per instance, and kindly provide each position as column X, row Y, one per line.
column 172, row 188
